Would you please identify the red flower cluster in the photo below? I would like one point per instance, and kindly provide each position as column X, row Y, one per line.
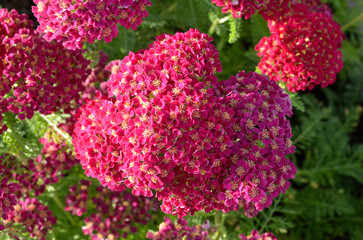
column 8, row 196
column 116, row 214
column 303, row 50
column 246, row 8
column 76, row 200
column 76, row 22
column 168, row 231
column 256, row 236
column 164, row 128
column 257, row 170
column 42, row 76
column 37, row 218
column 37, row 173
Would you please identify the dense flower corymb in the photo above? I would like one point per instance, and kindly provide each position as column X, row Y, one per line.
column 256, row 236
column 117, row 214
column 181, row 230
column 303, row 50
column 37, row 218
column 37, row 75
column 246, row 8
column 76, row 22
column 164, row 128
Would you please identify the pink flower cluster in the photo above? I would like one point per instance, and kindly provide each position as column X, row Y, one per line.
column 38, row 75
column 258, row 169
column 76, row 200
column 37, row 173
column 256, row 236
column 37, row 218
column 116, row 214
column 169, row 126
column 303, row 50
column 76, row 22
column 8, row 196
column 246, row 8
column 168, row 231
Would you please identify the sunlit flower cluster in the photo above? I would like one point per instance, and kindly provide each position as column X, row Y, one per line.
column 164, row 128
column 303, row 50
column 76, row 22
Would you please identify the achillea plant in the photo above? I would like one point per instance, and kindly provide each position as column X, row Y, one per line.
column 8, row 196
column 303, row 50
column 38, row 75
column 76, row 22
column 243, row 8
column 256, row 236
column 117, row 213
column 181, row 230
column 169, row 126
column 37, row 219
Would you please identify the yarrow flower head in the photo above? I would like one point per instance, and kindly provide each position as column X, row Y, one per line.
column 168, row 230
column 42, row 76
column 246, row 8
column 303, row 50
column 8, row 196
column 76, row 22
column 37, row 218
column 164, row 128
column 117, row 214
column 36, row 173
column 77, row 198
column 256, row 236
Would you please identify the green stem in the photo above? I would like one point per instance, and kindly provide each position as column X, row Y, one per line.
column 213, row 27
column 59, row 131
column 220, row 222
column 271, row 213
column 353, row 22
column 61, row 206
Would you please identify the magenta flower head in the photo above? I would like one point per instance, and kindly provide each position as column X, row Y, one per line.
column 76, row 22
column 257, row 169
column 34, row 216
column 42, row 76
column 168, row 126
column 256, row 236
column 246, row 8
column 8, row 198
column 117, row 214
column 180, row 230
column 303, row 50
column 76, row 200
